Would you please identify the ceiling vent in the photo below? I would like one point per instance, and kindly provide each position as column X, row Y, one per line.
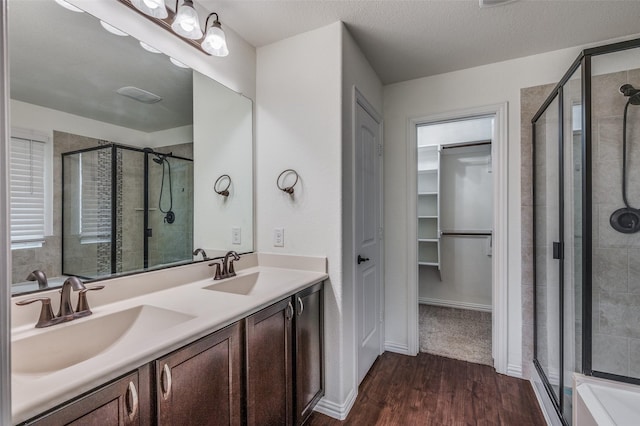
column 139, row 95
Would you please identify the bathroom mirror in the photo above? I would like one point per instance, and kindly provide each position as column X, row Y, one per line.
column 119, row 147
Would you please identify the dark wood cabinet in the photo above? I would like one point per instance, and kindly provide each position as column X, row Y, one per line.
column 201, row 384
column 116, row 404
column 284, row 349
column 308, row 346
column 268, row 365
column 264, row 370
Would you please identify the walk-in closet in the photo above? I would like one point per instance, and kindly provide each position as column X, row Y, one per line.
column 455, row 222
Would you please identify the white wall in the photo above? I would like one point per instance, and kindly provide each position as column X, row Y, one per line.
column 223, row 143
column 489, row 84
column 46, row 120
column 298, row 126
column 303, row 115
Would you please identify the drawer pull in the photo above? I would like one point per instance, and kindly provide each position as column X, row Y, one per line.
column 132, row 401
column 289, row 312
column 300, row 305
column 166, row 381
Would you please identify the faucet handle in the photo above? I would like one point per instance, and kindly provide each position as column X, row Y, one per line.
column 82, row 309
column 218, row 273
column 46, row 313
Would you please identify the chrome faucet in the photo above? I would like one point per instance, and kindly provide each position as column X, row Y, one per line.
column 200, row 251
column 39, row 276
column 66, row 312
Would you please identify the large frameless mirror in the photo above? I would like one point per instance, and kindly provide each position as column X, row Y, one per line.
column 115, row 152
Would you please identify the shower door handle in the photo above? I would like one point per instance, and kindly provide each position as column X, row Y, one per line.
column 558, row 250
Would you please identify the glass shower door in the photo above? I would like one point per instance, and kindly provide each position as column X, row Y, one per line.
column 548, row 230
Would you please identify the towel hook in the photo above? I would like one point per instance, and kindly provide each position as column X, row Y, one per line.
column 224, row 192
column 280, row 183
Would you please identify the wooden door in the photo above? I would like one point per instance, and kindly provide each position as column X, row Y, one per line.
column 308, row 343
column 269, row 365
column 116, row 404
column 201, row 383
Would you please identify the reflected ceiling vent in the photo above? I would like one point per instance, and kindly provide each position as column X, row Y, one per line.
column 492, row 3
column 139, row 95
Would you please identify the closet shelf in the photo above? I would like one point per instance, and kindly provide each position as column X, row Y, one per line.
column 428, row 264
column 426, row 171
column 427, row 217
column 428, row 193
column 427, row 240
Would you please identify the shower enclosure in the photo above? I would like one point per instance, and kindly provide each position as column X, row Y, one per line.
column 125, row 209
column 586, row 195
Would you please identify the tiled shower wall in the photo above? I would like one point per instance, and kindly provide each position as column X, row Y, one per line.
column 616, row 256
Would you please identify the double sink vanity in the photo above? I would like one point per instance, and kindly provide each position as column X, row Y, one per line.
column 174, row 346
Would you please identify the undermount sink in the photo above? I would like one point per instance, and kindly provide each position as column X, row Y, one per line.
column 243, row 285
column 80, row 340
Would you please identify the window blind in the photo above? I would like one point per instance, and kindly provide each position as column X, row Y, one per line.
column 27, row 198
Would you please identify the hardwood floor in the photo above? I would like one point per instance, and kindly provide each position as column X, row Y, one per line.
column 432, row 390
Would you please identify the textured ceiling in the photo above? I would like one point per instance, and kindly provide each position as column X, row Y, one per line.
column 410, row 39
column 66, row 61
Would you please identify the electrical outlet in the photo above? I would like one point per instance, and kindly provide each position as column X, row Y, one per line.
column 278, row 237
column 236, row 236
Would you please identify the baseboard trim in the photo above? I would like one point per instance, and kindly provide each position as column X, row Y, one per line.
column 514, row 370
column 455, row 304
column 334, row 409
column 397, row 348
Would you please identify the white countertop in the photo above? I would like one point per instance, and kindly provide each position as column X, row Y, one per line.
column 201, row 312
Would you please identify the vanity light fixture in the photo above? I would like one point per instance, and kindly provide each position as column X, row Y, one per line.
column 187, row 22
column 215, row 42
column 113, row 30
column 155, row 8
column 69, row 6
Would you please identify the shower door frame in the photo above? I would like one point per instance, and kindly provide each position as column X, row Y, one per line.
column 114, row 198
column 583, row 61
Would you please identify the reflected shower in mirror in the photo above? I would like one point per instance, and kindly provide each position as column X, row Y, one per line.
column 103, row 140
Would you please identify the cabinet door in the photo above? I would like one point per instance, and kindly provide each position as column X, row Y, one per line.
column 200, row 384
column 269, row 367
column 308, row 351
column 115, row 404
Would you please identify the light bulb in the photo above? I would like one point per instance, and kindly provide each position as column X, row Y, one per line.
column 215, row 42
column 154, row 8
column 187, row 23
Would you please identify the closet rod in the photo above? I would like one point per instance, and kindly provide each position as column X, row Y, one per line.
column 463, row 145
column 468, row 234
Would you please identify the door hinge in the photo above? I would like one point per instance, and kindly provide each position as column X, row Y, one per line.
column 380, row 150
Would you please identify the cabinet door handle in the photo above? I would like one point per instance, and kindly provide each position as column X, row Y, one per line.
column 300, row 305
column 132, row 401
column 289, row 313
column 166, row 381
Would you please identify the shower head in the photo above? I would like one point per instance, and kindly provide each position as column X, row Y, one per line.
column 631, row 92
column 159, row 159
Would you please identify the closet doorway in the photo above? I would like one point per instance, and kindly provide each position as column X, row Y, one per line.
column 460, row 201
